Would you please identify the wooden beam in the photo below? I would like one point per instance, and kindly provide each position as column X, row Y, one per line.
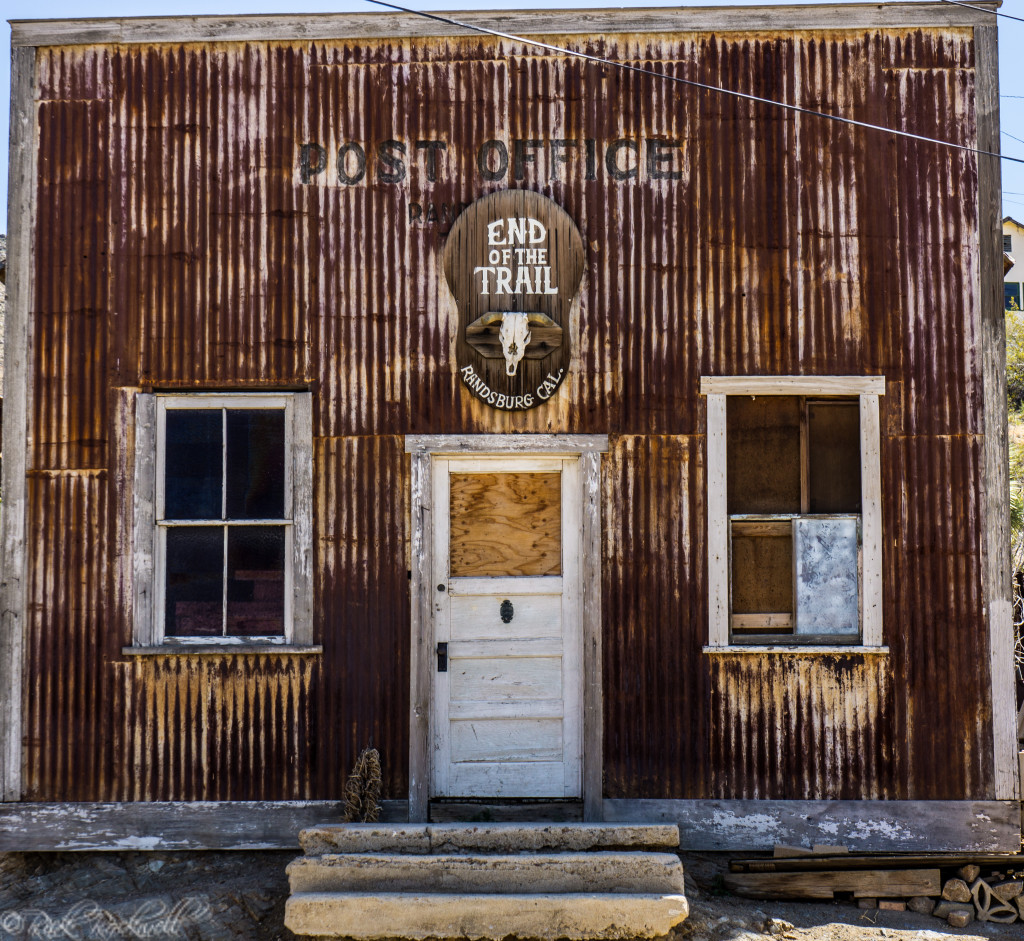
column 16, row 412
column 871, row 825
column 997, row 585
column 302, row 574
column 144, row 633
column 201, row 825
column 527, row 23
column 792, row 385
column 871, row 591
column 769, row 645
column 741, row 825
column 718, row 523
column 505, row 444
column 593, row 673
column 421, row 635
column 869, row 883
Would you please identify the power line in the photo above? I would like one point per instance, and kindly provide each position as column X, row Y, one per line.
column 685, row 81
column 969, row 6
column 1017, row 139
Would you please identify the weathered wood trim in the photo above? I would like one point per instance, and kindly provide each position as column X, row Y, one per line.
column 144, row 522
column 222, row 650
column 593, row 672
column 824, row 649
column 421, row 634
column 996, row 579
column 877, row 826
column 423, row 449
column 526, row 22
column 197, row 825
column 147, row 573
column 17, row 409
column 718, row 523
column 868, row 389
column 302, row 519
column 871, row 592
column 505, row 444
column 744, row 825
column 792, row 385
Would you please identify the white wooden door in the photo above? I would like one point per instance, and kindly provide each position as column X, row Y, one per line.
column 506, row 713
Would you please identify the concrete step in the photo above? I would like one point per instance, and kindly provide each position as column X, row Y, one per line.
column 541, row 916
column 617, row 872
column 423, row 839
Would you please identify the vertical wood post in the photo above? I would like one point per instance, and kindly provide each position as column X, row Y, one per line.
column 593, row 673
column 996, row 577
column 422, row 635
column 871, row 522
column 17, row 402
column 718, row 523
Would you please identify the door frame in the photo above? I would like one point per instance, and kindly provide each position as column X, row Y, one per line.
column 423, row 449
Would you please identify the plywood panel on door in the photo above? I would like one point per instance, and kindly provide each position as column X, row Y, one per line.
column 506, row 524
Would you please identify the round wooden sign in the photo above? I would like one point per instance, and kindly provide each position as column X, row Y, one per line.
column 514, row 261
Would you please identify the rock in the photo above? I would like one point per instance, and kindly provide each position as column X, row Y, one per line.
column 961, row 918
column 892, row 905
column 1020, row 905
column 943, row 909
column 921, row 904
column 956, row 890
column 969, row 873
column 867, row 903
column 1007, row 891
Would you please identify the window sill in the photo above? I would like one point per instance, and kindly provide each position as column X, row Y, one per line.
column 191, row 650
column 815, row 649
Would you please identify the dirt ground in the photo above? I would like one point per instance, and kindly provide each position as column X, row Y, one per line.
column 226, row 896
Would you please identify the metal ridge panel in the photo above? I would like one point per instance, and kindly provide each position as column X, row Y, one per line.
column 262, row 27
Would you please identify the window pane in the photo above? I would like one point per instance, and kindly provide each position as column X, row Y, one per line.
column 763, row 453
column 833, row 436
column 195, row 580
column 1011, row 295
column 256, row 580
column 256, row 464
column 193, row 464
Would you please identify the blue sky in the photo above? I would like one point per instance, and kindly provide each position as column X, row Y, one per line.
column 1011, row 41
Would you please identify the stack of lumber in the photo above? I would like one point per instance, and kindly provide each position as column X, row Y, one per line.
column 957, row 889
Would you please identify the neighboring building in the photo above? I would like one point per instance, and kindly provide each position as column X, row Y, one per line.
column 567, row 433
column 1013, row 245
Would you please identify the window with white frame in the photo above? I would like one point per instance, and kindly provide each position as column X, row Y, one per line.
column 222, row 529
column 794, row 514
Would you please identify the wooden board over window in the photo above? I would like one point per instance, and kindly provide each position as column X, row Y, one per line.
column 506, row 524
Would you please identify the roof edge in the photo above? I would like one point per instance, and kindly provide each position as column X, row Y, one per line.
column 329, row 26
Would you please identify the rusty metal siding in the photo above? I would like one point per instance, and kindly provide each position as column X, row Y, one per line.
column 177, row 248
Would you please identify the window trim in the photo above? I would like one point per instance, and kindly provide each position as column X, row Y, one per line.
column 716, row 389
column 150, row 425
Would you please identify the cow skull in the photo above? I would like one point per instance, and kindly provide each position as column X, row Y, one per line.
column 514, row 335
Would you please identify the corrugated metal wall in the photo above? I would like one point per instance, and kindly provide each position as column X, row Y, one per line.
column 177, row 247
